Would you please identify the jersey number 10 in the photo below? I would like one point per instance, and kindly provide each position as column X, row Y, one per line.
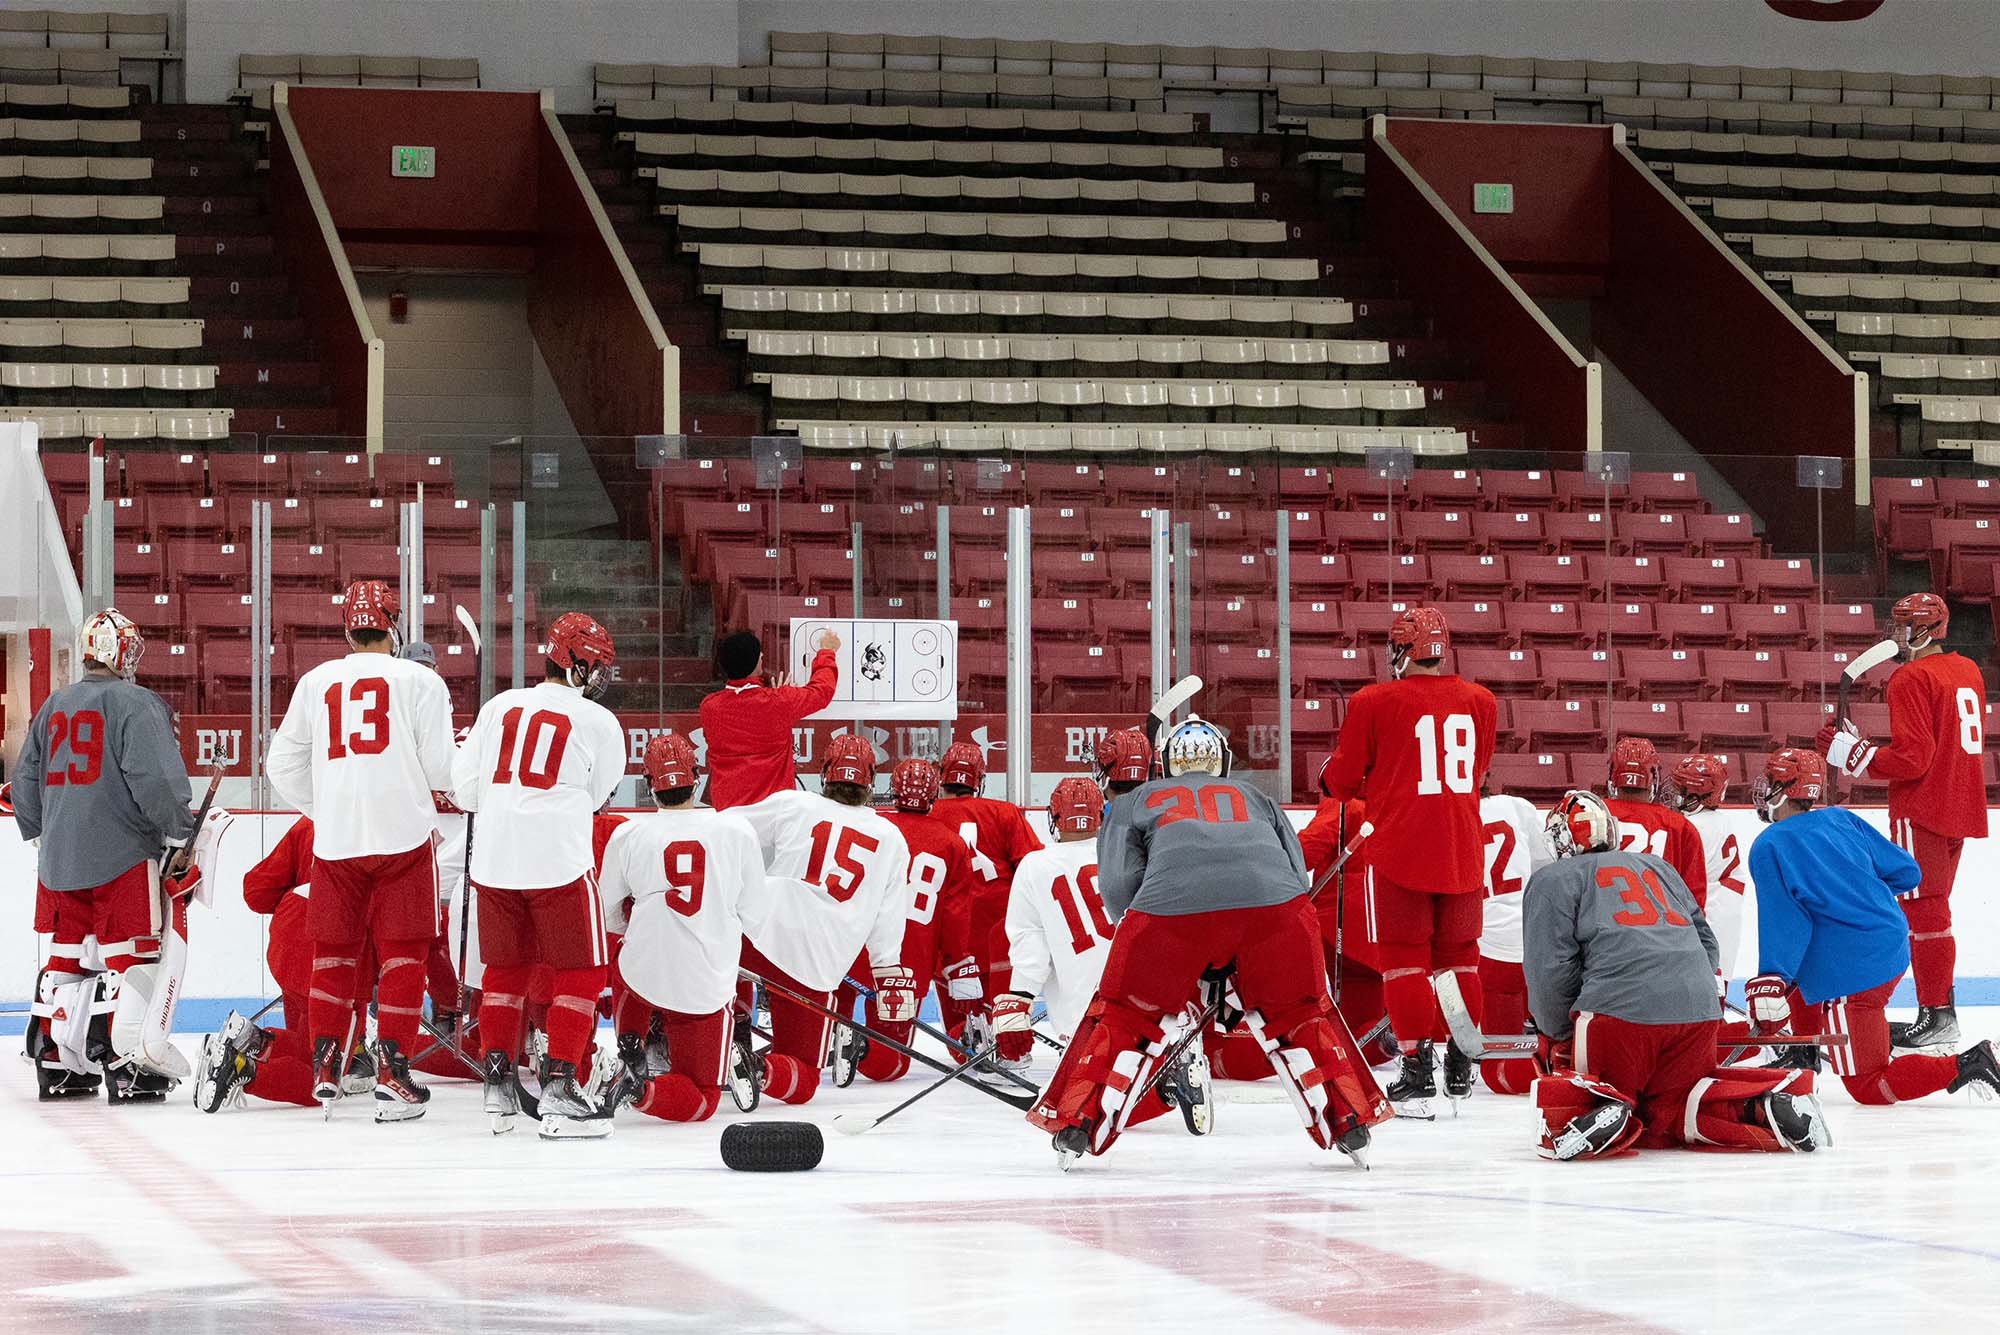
column 1457, row 741
column 519, row 747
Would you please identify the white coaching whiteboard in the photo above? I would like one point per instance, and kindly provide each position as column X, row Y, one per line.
column 889, row 668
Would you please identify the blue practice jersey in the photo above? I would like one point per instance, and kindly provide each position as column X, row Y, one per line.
column 1827, row 917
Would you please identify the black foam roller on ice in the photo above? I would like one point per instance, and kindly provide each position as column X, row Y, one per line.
column 772, row 1147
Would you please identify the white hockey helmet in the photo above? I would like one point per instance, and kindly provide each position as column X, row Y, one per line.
column 1195, row 746
column 111, row 640
column 1581, row 823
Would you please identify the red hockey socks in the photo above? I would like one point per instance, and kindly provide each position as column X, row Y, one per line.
column 1933, row 951
column 882, row 1063
column 440, row 978
column 399, row 998
column 573, row 1013
column 1905, row 1078
column 331, row 1004
column 502, row 999
column 1413, row 1011
column 284, row 1070
column 675, row 1098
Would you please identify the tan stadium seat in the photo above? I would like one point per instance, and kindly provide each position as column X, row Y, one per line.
column 389, row 71
column 45, row 377
column 261, row 71
column 97, row 68
column 28, row 65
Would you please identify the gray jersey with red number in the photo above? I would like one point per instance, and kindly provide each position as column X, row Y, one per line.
column 1616, row 934
column 1193, row 844
column 101, row 782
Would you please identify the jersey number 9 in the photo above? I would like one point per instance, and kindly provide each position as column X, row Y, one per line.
column 687, row 871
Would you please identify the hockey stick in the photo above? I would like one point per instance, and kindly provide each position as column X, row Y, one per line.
column 962, row 1050
column 849, row 1125
column 1340, row 900
column 1526, row 1045
column 1326, row 878
column 1864, row 662
column 1173, row 698
column 465, row 879
column 1021, row 1101
column 1167, row 1061
column 176, row 862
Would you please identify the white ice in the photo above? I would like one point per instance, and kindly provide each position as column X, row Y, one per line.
column 953, row 1217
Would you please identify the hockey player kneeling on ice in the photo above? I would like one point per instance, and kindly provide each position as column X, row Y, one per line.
column 1832, row 943
column 673, row 883
column 1517, row 847
column 539, row 763
column 1620, row 966
column 1204, row 878
column 836, row 881
column 100, row 783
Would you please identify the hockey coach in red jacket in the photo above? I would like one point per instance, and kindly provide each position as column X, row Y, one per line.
column 747, row 725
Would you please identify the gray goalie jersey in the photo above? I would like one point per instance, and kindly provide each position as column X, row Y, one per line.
column 101, row 783
column 1193, row 844
column 1616, row 934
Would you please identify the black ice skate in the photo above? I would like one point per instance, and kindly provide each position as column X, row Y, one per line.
column 1457, row 1074
column 398, row 1097
column 845, row 1054
column 55, row 1081
column 1797, row 1057
column 1416, row 1086
column 746, row 1070
column 326, row 1073
column 1188, row 1085
column 135, row 1084
column 1979, row 1068
column 1935, row 1030
column 1355, row 1146
column 228, row 1064
column 1072, row 1143
column 568, row 1112
column 1798, row 1121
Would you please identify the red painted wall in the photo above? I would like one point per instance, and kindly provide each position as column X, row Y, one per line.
column 322, row 300
column 1558, row 239
column 484, row 190
column 1722, row 360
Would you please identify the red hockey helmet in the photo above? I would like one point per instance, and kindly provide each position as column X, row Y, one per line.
column 369, row 604
column 1791, row 773
column 1698, row 783
column 111, row 639
column 1918, row 620
column 584, row 651
column 1635, row 763
column 1421, row 635
column 1124, row 757
column 850, row 758
column 913, row 784
column 670, row 762
column 1076, row 804
column 963, row 766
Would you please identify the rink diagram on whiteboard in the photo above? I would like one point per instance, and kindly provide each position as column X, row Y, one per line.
column 889, row 669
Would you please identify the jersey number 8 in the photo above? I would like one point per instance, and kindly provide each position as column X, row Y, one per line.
column 1971, row 726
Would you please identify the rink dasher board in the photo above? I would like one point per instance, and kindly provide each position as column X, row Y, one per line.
column 227, row 940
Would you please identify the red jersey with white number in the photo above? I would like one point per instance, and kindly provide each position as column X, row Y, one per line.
column 540, row 762
column 675, row 883
column 1415, row 751
column 837, row 882
column 941, row 889
column 1648, row 827
column 366, row 738
column 996, row 834
column 1936, row 734
column 1517, row 846
column 1057, row 932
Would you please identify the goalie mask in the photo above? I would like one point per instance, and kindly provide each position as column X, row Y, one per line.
column 1791, row 774
column 1580, row 823
column 1195, row 746
column 110, row 640
column 583, row 650
column 1917, row 621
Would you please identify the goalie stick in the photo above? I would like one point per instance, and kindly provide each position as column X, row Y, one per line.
column 1163, row 708
column 465, row 880
column 176, row 862
column 1021, row 1101
column 850, row 1125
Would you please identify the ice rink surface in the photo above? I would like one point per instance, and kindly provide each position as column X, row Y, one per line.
column 953, row 1217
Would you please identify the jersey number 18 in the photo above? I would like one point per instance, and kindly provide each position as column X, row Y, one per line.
column 1455, row 741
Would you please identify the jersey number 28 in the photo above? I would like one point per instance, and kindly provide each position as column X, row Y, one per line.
column 1456, row 743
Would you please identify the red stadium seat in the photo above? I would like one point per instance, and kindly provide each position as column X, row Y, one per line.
column 1723, row 535
column 365, row 560
column 1231, row 573
column 1747, row 674
column 1842, row 625
column 1694, row 579
column 220, row 614
column 1243, row 667
column 1121, row 528
column 837, row 479
column 1434, row 530
column 1329, row 575
column 1071, row 573
column 297, row 610
column 174, row 671
column 822, row 569
column 345, row 519
column 1060, row 525
column 1215, row 620
column 1086, row 679
column 1796, row 722
column 1233, row 485
column 1357, row 530
column 1336, row 672
column 301, row 565
column 1481, row 623
column 1141, row 486
column 1652, row 534
column 1461, row 575
column 1962, row 554
column 455, row 519
column 1303, row 486
column 1694, row 625
column 1904, row 507
column 979, row 526
column 1317, row 623
column 1510, row 531
column 1582, row 532
column 398, row 475
column 1378, row 576
column 326, row 473
column 1508, row 672
column 139, row 561
column 1306, row 530
column 1626, row 577
column 1578, row 489
column 1627, row 624
column 1062, row 484
column 1658, row 721
column 981, row 618
column 1131, row 572
column 1359, row 489
column 1534, row 625
column 163, row 473
column 1721, row 725
column 1368, row 623
column 1812, row 669
column 1540, row 777
column 1550, row 577
column 1590, row 770
column 899, row 523
column 183, row 516
column 227, row 670
column 1664, row 674
column 1063, row 620
column 1579, row 673
column 1218, row 526
column 68, row 473
column 291, row 516
column 770, row 614
column 1968, row 497
column 1679, row 491
column 1782, row 579
column 1122, row 621
column 746, row 480
column 1768, row 625
column 213, row 565
column 162, row 616
column 1513, row 489
column 1558, row 725
column 1445, row 489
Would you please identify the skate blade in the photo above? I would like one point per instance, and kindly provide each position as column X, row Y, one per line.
column 1359, row 1158
column 1416, row 1110
column 501, row 1123
column 1066, row 1161
column 557, row 1127
column 399, row 1111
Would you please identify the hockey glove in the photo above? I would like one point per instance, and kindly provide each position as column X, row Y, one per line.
column 895, row 996
column 186, row 884
column 1011, row 1026
column 442, row 801
column 961, row 980
column 1770, row 1009
column 1844, row 751
column 1554, row 1054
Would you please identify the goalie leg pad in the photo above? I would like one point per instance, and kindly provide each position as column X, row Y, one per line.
column 1111, row 1056
column 142, row 1026
column 1583, row 1118
column 59, row 1028
column 1729, row 1108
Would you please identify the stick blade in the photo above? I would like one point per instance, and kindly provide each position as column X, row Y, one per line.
column 853, row 1124
column 1870, row 658
column 471, row 626
column 1171, row 699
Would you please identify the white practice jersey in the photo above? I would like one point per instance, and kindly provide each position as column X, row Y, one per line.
column 1728, row 859
column 676, row 884
column 1057, row 931
column 540, row 762
column 837, row 882
column 1731, row 909
column 364, row 742
column 1516, row 848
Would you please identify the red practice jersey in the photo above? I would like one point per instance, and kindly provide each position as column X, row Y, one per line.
column 996, row 835
column 1932, row 757
column 941, row 883
column 1415, row 751
column 282, row 870
column 1648, row 827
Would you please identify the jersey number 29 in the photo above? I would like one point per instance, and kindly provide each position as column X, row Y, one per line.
column 1456, row 743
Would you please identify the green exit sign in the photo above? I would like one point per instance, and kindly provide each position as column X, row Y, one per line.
column 1492, row 197
column 413, row 160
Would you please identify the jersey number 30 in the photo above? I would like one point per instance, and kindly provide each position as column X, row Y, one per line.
column 1456, row 743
